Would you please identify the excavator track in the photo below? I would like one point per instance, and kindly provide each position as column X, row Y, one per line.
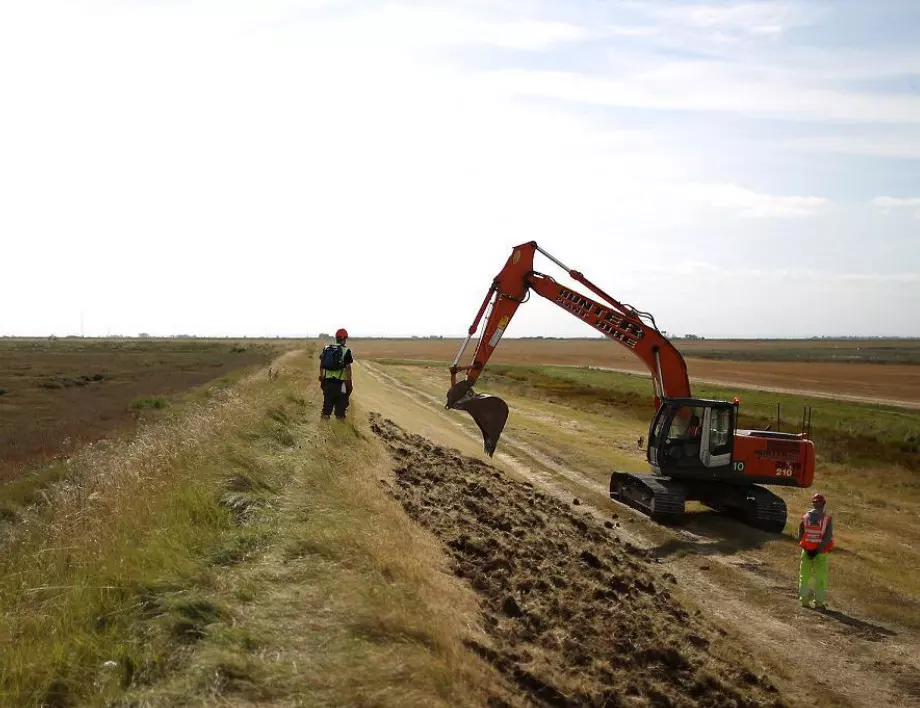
column 749, row 503
column 661, row 499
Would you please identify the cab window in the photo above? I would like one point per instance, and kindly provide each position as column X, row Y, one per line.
column 720, row 431
column 687, row 424
column 659, row 428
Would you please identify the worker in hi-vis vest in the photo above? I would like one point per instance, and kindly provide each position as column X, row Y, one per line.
column 335, row 376
column 816, row 537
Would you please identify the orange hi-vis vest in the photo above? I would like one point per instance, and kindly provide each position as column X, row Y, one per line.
column 814, row 534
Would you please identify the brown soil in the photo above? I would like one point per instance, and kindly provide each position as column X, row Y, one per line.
column 575, row 616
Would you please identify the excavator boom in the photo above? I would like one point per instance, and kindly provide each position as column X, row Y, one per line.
column 619, row 322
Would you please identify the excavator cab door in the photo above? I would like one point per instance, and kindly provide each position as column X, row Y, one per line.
column 691, row 434
column 717, row 436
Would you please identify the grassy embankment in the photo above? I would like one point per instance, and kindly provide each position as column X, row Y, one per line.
column 868, row 465
column 235, row 550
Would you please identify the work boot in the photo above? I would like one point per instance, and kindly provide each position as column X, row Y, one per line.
column 822, row 606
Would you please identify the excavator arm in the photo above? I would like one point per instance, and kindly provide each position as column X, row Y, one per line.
column 617, row 321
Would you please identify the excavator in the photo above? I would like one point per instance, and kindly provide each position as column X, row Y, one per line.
column 694, row 447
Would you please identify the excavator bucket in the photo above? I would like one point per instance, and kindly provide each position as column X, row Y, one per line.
column 489, row 412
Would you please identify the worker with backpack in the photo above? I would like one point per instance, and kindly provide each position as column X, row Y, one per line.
column 335, row 376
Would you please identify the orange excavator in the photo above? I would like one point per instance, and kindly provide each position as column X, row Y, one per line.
column 695, row 449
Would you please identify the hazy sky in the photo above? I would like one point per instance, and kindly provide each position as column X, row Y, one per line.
column 271, row 167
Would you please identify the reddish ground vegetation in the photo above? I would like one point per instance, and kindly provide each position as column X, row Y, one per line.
column 58, row 396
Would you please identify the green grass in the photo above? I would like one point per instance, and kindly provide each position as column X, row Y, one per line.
column 149, row 403
column 237, row 549
column 26, row 490
column 102, row 575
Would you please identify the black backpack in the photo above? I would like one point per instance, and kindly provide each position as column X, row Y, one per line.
column 333, row 357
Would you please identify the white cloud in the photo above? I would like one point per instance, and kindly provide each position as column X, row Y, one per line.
column 710, row 271
column 746, row 18
column 747, row 68
column 712, row 86
column 751, row 204
column 444, row 27
column 718, row 299
column 900, row 148
column 886, row 204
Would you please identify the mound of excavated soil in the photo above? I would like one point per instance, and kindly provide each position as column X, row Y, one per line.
column 575, row 616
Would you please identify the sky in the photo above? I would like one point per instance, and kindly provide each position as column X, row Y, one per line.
column 230, row 167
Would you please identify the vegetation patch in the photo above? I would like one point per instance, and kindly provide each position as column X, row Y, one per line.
column 149, row 403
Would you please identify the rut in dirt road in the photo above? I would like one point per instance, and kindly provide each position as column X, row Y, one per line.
column 574, row 615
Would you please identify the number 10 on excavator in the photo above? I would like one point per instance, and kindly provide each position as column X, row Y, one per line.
column 695, row 448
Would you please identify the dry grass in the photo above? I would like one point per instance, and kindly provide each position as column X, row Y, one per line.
column 240, row 553
column 119, row 535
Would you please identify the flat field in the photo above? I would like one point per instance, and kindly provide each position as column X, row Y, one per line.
column 56, row 395
column 880, row 371
column 236, row 549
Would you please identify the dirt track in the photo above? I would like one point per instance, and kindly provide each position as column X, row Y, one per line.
column 575, row 617
column 817, row 660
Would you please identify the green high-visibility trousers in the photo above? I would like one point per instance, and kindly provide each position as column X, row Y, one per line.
column 813, row 569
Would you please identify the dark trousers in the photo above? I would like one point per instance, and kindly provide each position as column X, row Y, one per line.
column 334, row 398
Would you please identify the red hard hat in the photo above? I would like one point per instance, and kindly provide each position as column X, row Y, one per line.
column 341, row 333
column 818, row 499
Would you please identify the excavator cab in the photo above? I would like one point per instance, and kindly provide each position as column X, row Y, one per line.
column 692, row 437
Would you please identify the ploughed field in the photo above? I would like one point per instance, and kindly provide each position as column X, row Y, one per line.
column 884, row 371
column 56, row 395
